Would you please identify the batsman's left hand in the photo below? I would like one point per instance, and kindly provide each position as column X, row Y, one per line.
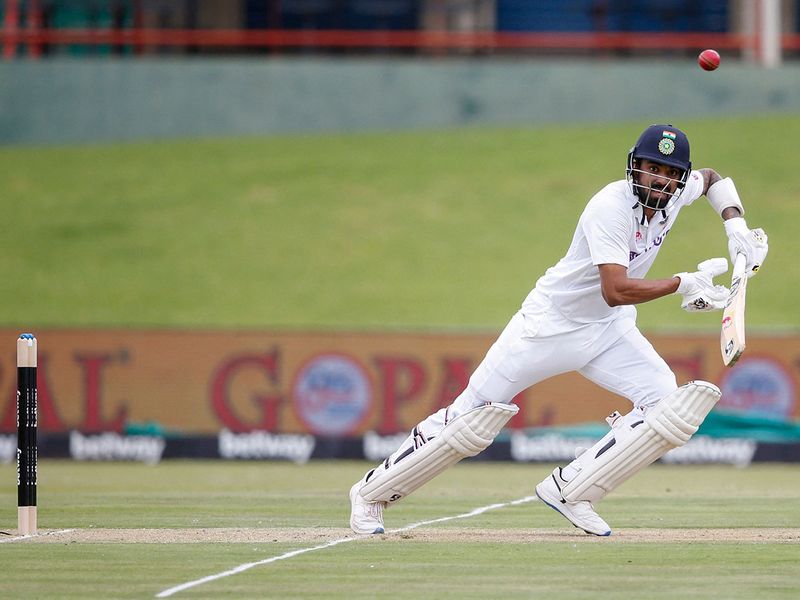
column 698, row 289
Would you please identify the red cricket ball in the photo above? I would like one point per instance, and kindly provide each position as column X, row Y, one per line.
column 708, row 60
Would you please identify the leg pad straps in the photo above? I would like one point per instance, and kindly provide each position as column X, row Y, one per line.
column 667, row 425
column 466, row 435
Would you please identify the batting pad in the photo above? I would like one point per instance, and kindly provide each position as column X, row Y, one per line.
column 669, row 424
column 466, row 435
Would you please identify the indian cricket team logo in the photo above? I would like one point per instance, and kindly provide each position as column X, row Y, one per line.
column 666, row 146
column 332, row 394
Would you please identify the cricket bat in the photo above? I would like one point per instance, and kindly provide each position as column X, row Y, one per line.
column 731, row 339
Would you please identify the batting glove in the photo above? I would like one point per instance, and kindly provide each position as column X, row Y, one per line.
column 698, row 289
column 753, row 243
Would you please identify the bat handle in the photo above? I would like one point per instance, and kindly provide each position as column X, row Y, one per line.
column 740, row 265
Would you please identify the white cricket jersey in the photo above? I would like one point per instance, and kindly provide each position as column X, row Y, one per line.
column 612, row 229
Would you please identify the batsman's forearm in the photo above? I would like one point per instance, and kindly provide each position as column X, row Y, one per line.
column 730, row 213
column 636, row 291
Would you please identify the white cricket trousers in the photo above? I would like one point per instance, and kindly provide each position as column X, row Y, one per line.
column 540, row 343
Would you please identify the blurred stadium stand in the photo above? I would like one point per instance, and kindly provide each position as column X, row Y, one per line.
column 78, row 27
column 614, row 15
column 409, row 64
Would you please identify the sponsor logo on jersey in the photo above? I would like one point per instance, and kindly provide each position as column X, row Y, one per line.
column 656, row 243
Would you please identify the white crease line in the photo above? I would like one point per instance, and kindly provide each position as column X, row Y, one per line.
column 246, row 566
column 472, row 513
column 30, row 537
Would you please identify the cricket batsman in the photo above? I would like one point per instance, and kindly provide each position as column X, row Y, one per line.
column 580, row 317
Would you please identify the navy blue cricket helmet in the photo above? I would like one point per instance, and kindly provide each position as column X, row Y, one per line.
column 663, row 144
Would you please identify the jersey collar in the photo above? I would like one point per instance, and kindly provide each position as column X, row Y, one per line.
column 659, row 217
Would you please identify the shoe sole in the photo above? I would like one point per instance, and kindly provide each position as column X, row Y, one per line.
column 555, row 508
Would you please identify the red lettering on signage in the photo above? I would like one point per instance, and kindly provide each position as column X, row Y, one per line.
column 691, row 365
column 547, row 417
column 518, row 420
column 220, row 393
column 49, row 419
column 401, row 379
column 456, row 378
column 93, row 421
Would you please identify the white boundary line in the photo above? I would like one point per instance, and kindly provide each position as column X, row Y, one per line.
column 246, row 566
column 30, row 537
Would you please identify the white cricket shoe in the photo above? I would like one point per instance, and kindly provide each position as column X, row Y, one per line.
column 365, row 517
column 581, row 514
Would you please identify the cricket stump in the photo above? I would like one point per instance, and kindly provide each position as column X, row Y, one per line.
column 26, row 434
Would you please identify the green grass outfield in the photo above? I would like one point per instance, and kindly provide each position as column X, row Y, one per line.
column 445, row 229
column 442, row 229
column 679, row 532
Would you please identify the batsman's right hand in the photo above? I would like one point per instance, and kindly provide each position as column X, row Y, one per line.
column 698, row 289
column 753, row 243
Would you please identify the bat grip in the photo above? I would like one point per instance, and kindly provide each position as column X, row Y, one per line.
column 740, row 265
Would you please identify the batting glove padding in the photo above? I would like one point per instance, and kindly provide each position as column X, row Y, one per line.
column 698, row 289
column 753, row 243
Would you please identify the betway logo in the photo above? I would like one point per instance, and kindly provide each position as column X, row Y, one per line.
column 261, row 444
column 113, row 446
column 8, row 448
column 703, row 449
column 700, row 450
column 377, row 447
column 546, row 448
